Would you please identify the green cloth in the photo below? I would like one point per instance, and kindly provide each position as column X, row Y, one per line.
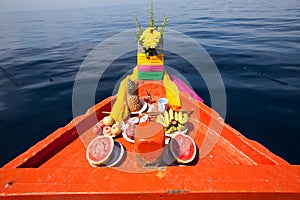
column 150, row 75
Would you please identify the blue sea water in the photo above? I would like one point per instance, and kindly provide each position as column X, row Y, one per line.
column 255, row 45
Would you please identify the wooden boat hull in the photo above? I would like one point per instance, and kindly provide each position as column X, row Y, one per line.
column 235, row 168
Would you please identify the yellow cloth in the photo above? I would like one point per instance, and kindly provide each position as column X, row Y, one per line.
column 120, row 109
column 172, row 92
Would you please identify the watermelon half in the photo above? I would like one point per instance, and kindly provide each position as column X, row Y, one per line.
column 183, row 148
column 99, row 150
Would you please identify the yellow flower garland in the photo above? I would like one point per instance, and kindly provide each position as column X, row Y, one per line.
column 150, row 38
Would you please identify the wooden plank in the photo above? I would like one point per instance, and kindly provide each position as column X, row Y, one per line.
column 219, row 180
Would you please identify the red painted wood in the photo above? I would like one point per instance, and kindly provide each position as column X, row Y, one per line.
column 235, row 168
column 218, row 182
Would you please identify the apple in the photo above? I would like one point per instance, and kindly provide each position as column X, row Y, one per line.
column 97, row 129
column 116, row 129
column 100, row 123
column 108, row 121
column 106, row 130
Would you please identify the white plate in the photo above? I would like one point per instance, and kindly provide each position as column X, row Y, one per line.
column 144, row 118
column 133, row 120
column 116, row 156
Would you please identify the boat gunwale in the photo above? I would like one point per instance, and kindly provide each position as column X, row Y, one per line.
column 43, row 150
column 274, row 178
column 55, row 142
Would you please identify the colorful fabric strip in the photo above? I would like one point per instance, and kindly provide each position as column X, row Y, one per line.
column 150, row 68
column 143, row 60
column 150, row 75
column 183, row 87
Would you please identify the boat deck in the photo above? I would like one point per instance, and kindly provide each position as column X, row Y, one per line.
column 228, row 165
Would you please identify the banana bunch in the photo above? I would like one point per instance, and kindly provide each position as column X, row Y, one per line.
column 172, row 120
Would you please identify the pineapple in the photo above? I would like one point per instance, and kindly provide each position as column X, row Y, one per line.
column 133, row 103
column 133, row 100
column 131, row 87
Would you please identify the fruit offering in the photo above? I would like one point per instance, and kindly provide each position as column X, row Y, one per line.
column 116, row 129
column 107, row 121
column 104, row 151
column 133, row 100
column 99, row 150
column 173, row 120
column 130, row 131
column 108, row 127
column 183, row 148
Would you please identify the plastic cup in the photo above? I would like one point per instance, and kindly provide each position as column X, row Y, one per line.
column 149, row 141
column 162, row 104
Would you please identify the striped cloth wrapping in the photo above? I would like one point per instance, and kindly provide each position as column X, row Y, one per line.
column 156, row 60
column 150, row 68
column 150, row 75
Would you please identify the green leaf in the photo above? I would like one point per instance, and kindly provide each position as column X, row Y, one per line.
column 138, row 24
column 151, row 18
column 140, row 30
column 163, row 26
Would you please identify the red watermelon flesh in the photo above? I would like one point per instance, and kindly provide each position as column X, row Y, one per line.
column 183, row 148
column 99, row 150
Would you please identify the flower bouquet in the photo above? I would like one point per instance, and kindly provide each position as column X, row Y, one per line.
column 150, row 39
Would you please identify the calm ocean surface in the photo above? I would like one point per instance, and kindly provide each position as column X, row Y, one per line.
column 255, row 45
